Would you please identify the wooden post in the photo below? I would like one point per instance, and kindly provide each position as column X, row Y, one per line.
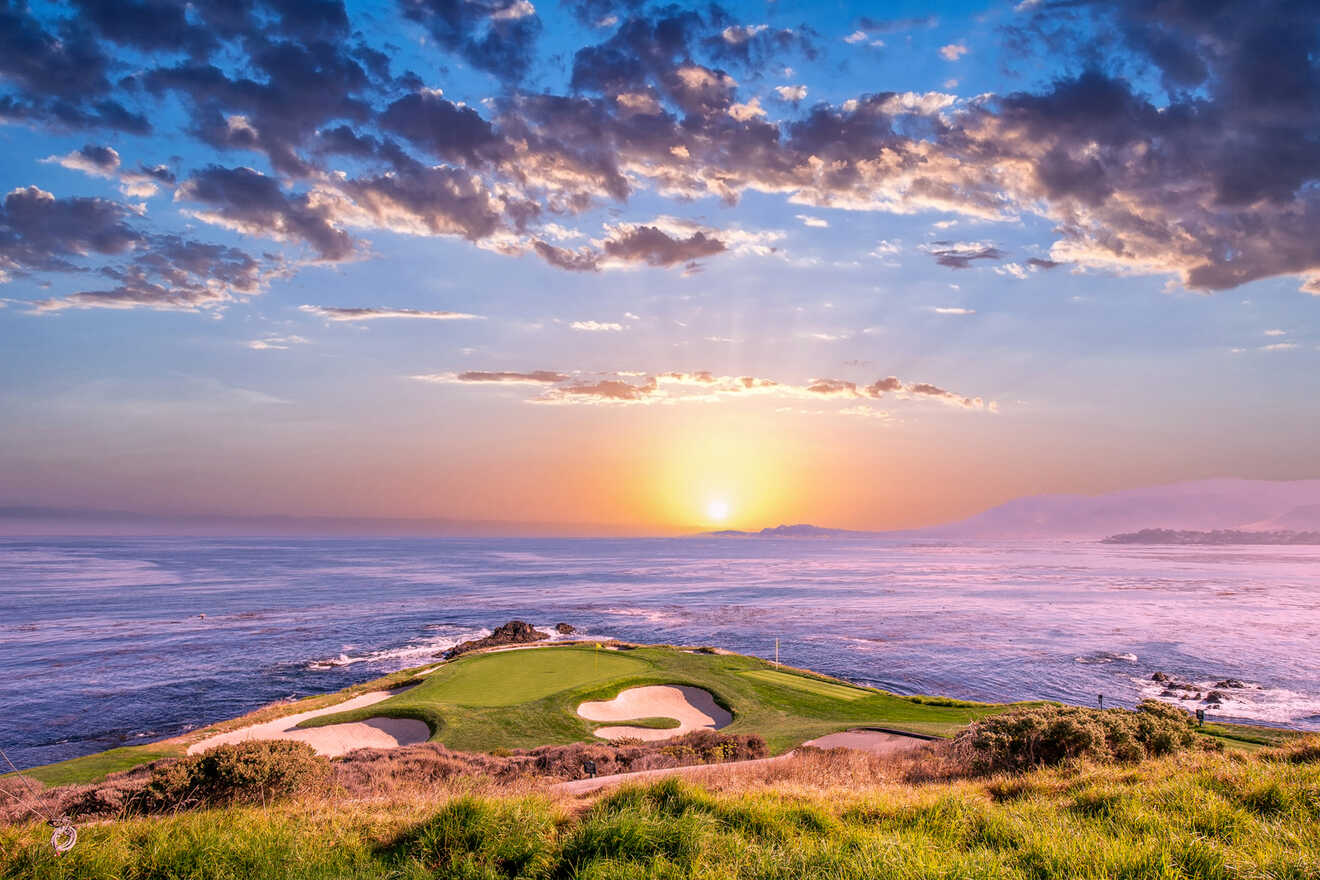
column 776, row 653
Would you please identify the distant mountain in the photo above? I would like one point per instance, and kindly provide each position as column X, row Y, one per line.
column 801, row 530
column 1203, row 505
column 1219, row 537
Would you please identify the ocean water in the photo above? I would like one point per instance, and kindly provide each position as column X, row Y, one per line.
column 107, row 642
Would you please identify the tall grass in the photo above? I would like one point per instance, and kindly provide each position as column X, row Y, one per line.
column 832, row 815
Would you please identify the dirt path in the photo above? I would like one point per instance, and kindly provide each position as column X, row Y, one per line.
column 881, row 742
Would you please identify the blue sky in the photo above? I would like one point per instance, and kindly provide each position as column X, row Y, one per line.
column 621, row 261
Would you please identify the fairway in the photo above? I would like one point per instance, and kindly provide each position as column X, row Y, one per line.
column 510, row 678
column 809, row 685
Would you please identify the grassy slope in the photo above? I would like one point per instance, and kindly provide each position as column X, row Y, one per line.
column 784, row 707
column 1209, row 817
column 90, row 768
column 464, row 703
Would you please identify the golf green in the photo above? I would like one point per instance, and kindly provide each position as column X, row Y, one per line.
column 509, row 678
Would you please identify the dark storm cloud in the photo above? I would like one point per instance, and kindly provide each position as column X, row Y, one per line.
column 304, row 87
column 1178, row 137
column 39, row 232
column 496, row 36
column 443, row 129
column 649, row 245
column 172, row 273
column 961, row 254
column 57, row 76
column 250, row 202
column 148, row 25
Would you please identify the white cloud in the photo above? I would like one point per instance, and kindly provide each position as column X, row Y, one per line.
column 514, row 11
column 855, row 37
column 736, row 34
column 791, row 93
column 953, row 51
column 952, row 310
column 1276, row 332
column 748, row 111
column 276, row 343
column 597, row 326
column 1015, row 269
column 817, row 222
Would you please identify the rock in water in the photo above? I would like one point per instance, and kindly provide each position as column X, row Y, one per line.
column 564, row 628
column 1230, row 683
column 1160, row 677
column 515, row 632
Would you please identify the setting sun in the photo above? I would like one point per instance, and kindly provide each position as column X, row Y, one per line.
column 717, row 510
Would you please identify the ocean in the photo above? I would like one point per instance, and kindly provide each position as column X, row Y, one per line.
column 108, row 642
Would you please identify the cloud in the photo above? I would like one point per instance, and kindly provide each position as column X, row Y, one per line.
column 339, row 314
column 961, row 254
column 495, row 36
column 817, row 222
column 1276, row 332
column 701, row 386
column 952, row 310
column 39, row 232
column 1170, row 143
column 91, row 159
column 276, row 343
column 247, row 201
column 535, row 377
column 953, row 51
column 663, row 243
column 596, row 326
column 170, row 273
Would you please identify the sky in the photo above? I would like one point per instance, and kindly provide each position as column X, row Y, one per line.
column 613, row 266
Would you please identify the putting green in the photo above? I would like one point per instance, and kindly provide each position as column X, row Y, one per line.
column 809, row 685
column 510, row 678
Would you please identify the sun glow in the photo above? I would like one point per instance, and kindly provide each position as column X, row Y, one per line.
column 717, row 510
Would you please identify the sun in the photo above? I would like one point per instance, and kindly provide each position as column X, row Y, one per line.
column 717, row 510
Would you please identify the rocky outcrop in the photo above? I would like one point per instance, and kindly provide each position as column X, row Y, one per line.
column 564, row 629
column 1230, row 684
column 515, row 632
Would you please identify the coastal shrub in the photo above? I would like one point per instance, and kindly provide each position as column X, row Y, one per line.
column 483, row 839
column 1046, row 735
column 1303, row 750
column 240, row 773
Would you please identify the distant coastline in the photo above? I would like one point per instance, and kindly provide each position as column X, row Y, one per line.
column 1220, row 537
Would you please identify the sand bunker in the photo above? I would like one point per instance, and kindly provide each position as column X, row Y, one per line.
column 333, row 739
column 875, row 741
column 692, row 708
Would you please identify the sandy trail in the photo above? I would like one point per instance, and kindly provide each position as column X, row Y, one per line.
column 877, row 742
column 333, row 739
column 693, row 708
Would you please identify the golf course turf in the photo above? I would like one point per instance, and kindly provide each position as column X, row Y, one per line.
column 529, row 697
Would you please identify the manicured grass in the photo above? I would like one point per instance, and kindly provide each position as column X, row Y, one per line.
column 101, row 764
column 529, row 697
column 465, row 705
column 507, row 678
column 649, row 723
column 1198, row 817
column 810, row 685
